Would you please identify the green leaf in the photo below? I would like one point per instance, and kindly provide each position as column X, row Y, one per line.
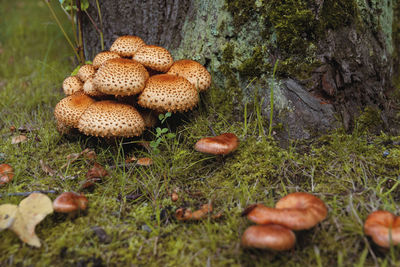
column 164, row 130
column 84, row 5
column 158, row 131
column 75, row 71
column 161, row 116
column 170, row 135
column 168, row 114
column 153, row 144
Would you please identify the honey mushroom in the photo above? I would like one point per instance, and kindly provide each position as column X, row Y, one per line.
column 383, row 227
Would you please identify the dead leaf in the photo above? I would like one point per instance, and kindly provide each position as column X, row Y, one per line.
column 7, row 215
column 174, row 197
column 94, row 175
column 87, row 152
column 31, row 211
column 46, row 168
column 131, row 159
column 12, row 128
column 145, row 161
column 18, row 139
column 6, row 173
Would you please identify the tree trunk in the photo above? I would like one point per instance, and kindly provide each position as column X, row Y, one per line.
column 336, row 57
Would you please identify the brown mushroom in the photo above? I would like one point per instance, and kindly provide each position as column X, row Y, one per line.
column 121, row 77
column 85, row 72
column 70, row 202
column 296, row 211
column 71, row 85
column 271, row 236
column 102, row 57
column 383, row 227
column 218, row 145
column 165, row 92
column 6, row 173
column 154, row 57
column 111, row 119
column 193, row 71
column 69, row 110
column 127, row 45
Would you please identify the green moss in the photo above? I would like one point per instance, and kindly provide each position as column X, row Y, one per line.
column 337, row 13
column 241, row 10
column 255, row 65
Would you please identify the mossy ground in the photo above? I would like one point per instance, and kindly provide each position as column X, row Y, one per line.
column 354, row 174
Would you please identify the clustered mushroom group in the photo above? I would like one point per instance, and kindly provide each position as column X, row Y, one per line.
column 295, row 211
column 121, row 91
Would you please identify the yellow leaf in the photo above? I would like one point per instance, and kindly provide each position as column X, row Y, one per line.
column 7, row 215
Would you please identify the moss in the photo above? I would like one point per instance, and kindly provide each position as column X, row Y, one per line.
column 255, row 65
column 241, row 10
column 337, row 13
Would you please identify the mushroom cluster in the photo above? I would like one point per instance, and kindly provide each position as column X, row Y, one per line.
column 296, row 211
column 119, row 94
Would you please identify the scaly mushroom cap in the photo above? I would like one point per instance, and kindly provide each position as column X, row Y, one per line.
column 90, row 89
column 383, row 227
column 154, row 57
column 193, row 71
column 110, row 119
column 85, row 72
column 165, row 92
column 218, row 145
column 70, row 109
column 71, row 85
column 102, row 57
column 121, row 77
column 70, row 202
column 271, row 236
column 126, row 46
column 296, row 211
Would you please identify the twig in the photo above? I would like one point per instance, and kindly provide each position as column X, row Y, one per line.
column 24, row 194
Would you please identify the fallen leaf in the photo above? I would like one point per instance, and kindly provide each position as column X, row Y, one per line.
column 6, row 173
column 183, row 214
column 131, row 159
column 18, row 139
column 31, row 211
column 7, row 215
column 12, row 128
column 145, row 161
column 97, row 171
column 46, row 168
column 174, row 197
column 101, row 234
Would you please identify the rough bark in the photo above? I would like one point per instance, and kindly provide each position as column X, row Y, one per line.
column 336, row 57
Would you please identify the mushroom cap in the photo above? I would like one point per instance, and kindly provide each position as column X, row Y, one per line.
column 383, row 227
column 85, row 72
column 71, row 85
column 90, row 89
column 70, row 109
column 127, row 45
column 69, row 202
column 271, row 236
column 218, row 145
column 6, row 173
column 193, row 71
column 121, row 77
column 110, row 119
column 296, row 211
column 154, row 57
column 165, row 92
column 102, row 57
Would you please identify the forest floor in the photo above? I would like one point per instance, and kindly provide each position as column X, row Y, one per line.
column 131, row 217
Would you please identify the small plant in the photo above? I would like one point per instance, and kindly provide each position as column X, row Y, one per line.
column 271, row 101
column 162, row 134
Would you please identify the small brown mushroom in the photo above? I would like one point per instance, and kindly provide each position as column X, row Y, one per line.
column 6, row 173
column 296, row 211
column 193, row 71
column 271, row 236
column 165, row 92
column 218, row 145
column 71, row 85
column 383, row 227
column 70, row 202
column 127, row 45
column 154, row 57
column 85, row 72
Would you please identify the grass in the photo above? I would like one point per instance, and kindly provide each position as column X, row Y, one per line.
column 348, row 171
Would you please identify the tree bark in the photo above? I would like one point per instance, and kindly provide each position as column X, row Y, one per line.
column 336, row 57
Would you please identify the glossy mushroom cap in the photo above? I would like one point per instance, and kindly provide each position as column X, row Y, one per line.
column 193, row 71
column 69, row 110
column 271, row 236
column 102, row 57
column 166, row 92
column 6, row 173
column 218, row 145
column 296, row 211
column 71, row 85
column 383, row 227
column 121, row 77
column 85, row 72
column 127, row 46
column 70, row 202
column 110, row 119
column 154, row 57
